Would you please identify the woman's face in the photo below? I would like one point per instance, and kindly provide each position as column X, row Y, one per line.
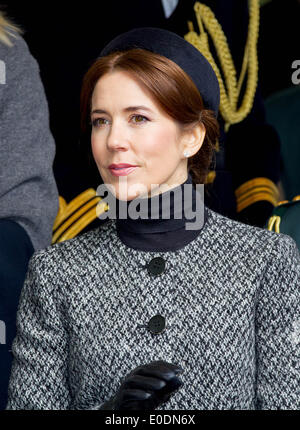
column 144, row 137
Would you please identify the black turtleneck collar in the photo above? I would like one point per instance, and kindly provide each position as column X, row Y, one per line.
column 158, row 234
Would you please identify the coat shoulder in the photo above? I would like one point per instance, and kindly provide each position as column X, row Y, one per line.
column 247, row 238
column 64, row 251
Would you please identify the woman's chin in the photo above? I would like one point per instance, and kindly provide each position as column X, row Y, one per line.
column 126, row 197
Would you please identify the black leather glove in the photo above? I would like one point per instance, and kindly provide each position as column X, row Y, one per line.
column 146, row 387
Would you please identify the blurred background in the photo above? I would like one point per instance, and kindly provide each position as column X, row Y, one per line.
column 66, row 37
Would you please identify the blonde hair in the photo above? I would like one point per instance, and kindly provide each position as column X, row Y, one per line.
column 6, row 28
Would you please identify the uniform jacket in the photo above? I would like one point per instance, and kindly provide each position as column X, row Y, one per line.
column 231, row 302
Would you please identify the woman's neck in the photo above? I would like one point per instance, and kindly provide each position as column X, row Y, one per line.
column 168, row 221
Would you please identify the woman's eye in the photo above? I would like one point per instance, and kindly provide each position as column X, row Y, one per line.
column 95, row 122
column 140, row 116
column 98, row 122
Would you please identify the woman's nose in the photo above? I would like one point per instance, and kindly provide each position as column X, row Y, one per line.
column 116, row 137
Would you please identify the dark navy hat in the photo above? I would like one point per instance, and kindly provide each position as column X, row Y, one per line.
column 177, row 49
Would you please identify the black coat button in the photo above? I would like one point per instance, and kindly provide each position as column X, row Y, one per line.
column 156, row 266
column 157, row 324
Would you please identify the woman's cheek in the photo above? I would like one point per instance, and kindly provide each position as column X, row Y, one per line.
column 94, row 146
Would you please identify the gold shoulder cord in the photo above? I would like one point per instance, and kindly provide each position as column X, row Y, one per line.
column 229, row 98
column 275, row 220
column 256, row 189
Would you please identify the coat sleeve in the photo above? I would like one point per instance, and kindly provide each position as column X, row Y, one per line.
column 277, row 329
column 28, row 190
column 38, row 378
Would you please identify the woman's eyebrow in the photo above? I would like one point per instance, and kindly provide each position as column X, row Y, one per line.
column 127, row 109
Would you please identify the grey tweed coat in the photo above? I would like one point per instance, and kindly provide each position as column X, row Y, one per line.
column 230, row 298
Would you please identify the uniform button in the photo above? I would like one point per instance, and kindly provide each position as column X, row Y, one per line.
column 157, row 324
column 156, row 266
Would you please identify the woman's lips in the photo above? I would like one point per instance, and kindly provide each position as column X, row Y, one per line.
column 123, row 171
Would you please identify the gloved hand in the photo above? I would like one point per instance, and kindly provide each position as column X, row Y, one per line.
column 146, row 387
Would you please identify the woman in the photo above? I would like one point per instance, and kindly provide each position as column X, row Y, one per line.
column 109, row 319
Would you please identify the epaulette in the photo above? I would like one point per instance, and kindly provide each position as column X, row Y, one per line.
column 73, row 217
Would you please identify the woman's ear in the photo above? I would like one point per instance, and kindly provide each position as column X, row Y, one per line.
column 193, row 139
